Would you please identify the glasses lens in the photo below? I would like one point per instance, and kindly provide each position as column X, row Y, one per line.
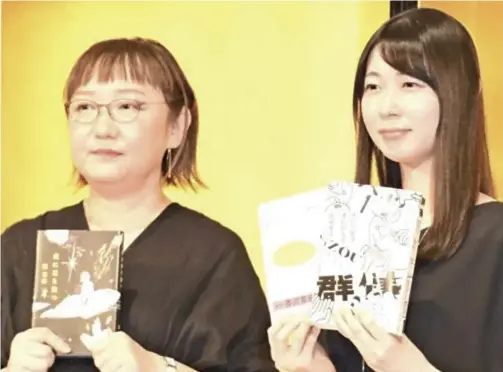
column 124, row 110
column 83, row 111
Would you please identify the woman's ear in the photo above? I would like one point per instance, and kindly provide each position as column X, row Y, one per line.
column 178, row 128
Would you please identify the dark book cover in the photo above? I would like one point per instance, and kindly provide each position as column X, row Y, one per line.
column 77, row 289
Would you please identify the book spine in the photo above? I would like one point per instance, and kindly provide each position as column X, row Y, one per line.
column 120, row 281
column 36, row 283
column 410, row 272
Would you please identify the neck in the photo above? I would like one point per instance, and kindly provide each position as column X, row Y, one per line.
column 419, row 178
column 117, row 208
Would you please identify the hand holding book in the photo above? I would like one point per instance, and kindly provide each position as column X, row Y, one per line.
column 34, row 350
column 117, row 351
column 294, row 347
column 381, row 350
column 344, row 244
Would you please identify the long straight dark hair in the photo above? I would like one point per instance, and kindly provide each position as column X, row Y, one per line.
column 437, row 49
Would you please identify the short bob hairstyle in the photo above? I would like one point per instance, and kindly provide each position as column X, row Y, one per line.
column 145, row 61
column 435, row 48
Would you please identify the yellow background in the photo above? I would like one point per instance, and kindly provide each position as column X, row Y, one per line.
column 274, row 83
column 484, row 21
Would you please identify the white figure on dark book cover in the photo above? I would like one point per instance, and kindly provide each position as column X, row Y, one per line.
column 86, row 304
column 86, row 287
column 58, row 237
column 38, row 306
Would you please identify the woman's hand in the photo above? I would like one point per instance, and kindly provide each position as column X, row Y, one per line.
column 382, row 351
column 294, row 347
column 33, row 350
column 116, row 351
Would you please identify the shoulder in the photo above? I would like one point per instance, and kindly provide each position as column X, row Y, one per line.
column 198, row 235
column 57, row 218
column 485, row 234
column 487, row 219
column 23, row 232
column 200, row 228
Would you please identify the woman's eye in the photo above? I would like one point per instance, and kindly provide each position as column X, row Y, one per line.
column 410, row 84
column 126, row 106
column 83, row 107
column 370, row 86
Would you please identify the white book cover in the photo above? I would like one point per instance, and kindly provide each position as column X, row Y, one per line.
column 363, row 243
column 370, row 251
column 291, row 241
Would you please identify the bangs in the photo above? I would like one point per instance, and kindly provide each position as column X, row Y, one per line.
column 407, row 56
column 117, row 61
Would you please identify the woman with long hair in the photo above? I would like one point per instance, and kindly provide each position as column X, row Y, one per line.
column 419, row 115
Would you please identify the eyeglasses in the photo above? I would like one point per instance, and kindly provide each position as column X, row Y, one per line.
column 121, row 110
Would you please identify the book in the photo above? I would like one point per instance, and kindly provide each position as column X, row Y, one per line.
column 77, row 288
column 364, row 241
column 368, row 254
column 290, row 230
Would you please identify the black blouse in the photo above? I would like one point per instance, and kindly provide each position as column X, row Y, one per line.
column 455, row 314
column 189, row 291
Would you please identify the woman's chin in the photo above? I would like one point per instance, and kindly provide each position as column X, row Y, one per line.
column 409, row 156
column 103, row 178
column 403, row 158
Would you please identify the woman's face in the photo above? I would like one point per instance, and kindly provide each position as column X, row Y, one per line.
column 401, row 113
column 126, row 144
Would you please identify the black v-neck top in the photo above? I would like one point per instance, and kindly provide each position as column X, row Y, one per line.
column 455, row 314
column 189, row 291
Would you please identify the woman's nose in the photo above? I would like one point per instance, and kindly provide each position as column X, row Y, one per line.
column 389, row 103
column 104, row 125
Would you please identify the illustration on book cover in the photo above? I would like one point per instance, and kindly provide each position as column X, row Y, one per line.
column 77, row 284
column 369, row 248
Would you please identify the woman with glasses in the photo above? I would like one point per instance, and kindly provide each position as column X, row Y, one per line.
column 191, row 300
column 419, row 115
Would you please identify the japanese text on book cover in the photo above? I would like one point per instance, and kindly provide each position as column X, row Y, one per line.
column 290, row 230
column 78, row 278
column 370, row 242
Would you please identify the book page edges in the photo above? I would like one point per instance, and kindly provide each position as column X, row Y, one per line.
column 410, row 273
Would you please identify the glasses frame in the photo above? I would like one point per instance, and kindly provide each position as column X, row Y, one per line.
column 108, row 106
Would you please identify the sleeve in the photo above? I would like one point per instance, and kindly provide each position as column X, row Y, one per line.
column 233, row 311
column 8, row 290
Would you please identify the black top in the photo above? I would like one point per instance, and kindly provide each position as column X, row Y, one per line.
column 455, row 314
column 189, row 291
